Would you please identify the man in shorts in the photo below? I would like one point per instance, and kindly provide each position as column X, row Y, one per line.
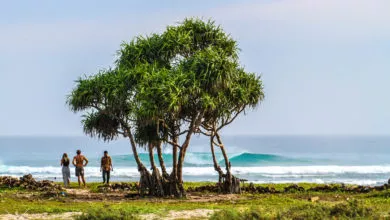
column 78, row 162
column 106, row 167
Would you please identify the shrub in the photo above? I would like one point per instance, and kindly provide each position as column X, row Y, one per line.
column 251, row 214
column 352, row 209
column 312, row 212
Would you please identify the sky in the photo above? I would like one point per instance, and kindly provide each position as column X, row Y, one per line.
column 324, row 63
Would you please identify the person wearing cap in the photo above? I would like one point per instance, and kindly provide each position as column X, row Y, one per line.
column 106, row 167
column 78, row 162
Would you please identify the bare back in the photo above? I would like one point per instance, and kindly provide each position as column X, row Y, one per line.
column 78, row 160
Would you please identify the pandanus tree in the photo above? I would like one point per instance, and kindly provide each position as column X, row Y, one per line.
column 164, row 89
column 244, row 92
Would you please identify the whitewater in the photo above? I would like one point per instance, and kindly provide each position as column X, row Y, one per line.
column 352, row 160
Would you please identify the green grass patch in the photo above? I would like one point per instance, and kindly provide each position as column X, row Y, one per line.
column 292, row 205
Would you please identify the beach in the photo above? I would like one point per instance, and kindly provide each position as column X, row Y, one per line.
column 259, row 159
column 284, row 177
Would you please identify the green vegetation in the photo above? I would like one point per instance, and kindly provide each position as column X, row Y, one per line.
column 346, row 210
column 184, row 81
column 107, row 214
column 291, row 205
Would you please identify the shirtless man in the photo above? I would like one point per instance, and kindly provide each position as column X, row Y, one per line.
column 78, row 162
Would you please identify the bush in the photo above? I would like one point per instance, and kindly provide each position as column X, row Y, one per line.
column 352, row 209
column 311, row 212
column 107, row 214
column 251, row 214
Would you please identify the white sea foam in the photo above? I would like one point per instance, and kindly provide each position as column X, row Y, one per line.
column 275, row 171
column 313, row 169
column 365, row 175
column 321, row 181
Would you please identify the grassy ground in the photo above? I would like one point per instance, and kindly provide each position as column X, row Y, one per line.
column 294, row 205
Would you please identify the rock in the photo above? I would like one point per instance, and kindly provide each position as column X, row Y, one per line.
column 380, row 188
column 29, row 183
column 294, row 188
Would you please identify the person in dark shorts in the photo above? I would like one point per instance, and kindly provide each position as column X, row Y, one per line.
column 106, row 167
column 78, row 162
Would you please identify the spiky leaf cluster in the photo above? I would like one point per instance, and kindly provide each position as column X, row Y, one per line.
column 164, row 81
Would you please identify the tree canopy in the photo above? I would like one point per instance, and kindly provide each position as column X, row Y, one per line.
column 183, row 81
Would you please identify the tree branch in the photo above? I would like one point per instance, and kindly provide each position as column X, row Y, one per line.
column 231, row 120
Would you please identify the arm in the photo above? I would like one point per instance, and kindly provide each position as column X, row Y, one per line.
column 101, row 164
column 112, row 168
column 86, row 161
column 61, row 162
column 73, row 161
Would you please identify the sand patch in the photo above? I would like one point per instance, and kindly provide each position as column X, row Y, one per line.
column 64, row 216
column 78, row 191
column 186, row 214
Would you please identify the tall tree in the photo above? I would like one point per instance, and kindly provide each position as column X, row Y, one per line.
column 166, row 87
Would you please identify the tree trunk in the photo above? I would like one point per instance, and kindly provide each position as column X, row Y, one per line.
column 230, row 183
column 195, row 122
column 161, row 160
column 173, row 180
column 216, row 165
column 145, row 176
column 156, row 186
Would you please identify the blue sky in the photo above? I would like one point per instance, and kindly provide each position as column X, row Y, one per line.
column 324, row 63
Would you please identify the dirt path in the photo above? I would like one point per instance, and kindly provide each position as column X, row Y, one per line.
column 78, row 191
column 186, row 214
column 79, row 195
column 62, row 216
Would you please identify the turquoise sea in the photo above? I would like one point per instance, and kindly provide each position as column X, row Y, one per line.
column 261, row 159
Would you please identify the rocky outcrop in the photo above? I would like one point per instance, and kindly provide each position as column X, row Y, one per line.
column 29, row 183
column 119, row 187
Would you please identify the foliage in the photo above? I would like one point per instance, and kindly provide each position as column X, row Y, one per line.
column 351, row 209
column 171, row 77
column 309, row 211
column 165, row 86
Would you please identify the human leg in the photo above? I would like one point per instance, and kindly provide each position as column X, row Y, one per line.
column 78, row 174
column 104, row 176
column 64, row 177
column 108, row 177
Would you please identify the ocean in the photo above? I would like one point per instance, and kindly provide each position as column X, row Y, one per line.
column 260, row 159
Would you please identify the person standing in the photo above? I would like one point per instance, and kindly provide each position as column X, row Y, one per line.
column 65, row 169
column 78, row 162
column 106, row 167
